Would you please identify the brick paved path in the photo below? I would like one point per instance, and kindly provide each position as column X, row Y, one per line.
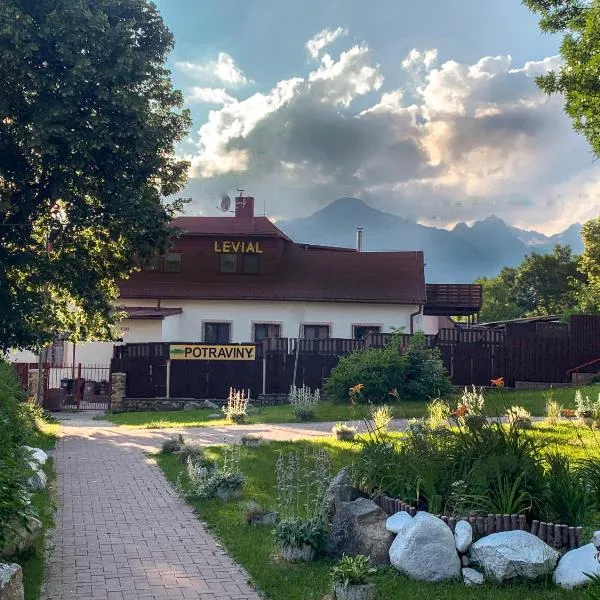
column 123, row 533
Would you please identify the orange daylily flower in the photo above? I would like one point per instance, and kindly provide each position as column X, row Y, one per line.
column 499, row 382
column 461, row 411
column 568, row 413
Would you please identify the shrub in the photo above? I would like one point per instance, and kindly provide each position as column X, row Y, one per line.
column 416, row 373
column 343, row 431
column 353, row 570
column 589, row 470
column 17, row 424
column 518, row 417
column 304, row 402
column 172, row 445
column 438, row 413
column 568, row 499
column 381, row 418
column 553, row 410
column 224, row 481
column 298, row 532
column 196, row 454
column 236, row 409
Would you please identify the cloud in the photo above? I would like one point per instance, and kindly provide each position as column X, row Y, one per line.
column 209, row 95
column 322, row 39
column 456, row 142
column 223, row 70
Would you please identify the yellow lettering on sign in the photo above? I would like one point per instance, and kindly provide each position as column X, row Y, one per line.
column 236, row 247
column 210, row 352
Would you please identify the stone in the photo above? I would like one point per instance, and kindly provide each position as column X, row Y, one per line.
column 398, row 522
column 472, row 577
column 211, row 405
column 426, row 550
column 23, row 538
column 365, row 591
column 574, row 564
column 37, row 455
column 463, row 536
column 11, row 582
column 596, row 539
column 358, row 527
column 215, row 416
column 512, row 554
column 38, row 481
column 340, row 490
column 193, row 405
column 464, row 560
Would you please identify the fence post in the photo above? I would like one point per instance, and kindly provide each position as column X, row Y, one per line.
column 168, row 383
column 264, row 372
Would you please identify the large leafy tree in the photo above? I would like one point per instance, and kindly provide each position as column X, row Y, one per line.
column 578, row 79
column 88, row 125
column 543, row 284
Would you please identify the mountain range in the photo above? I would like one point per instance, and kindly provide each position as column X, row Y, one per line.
column 459, row 255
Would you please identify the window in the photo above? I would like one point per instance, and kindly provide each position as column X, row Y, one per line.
column 360, row 332
column 250, row 263
column 316, row 332
column 228, row 263
column 266, row 330
column 172, row 262
column 217, row 333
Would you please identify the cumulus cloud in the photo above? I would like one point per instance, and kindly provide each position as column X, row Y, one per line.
column 209, row 95
column 457, row 142
column 322, row 39
column 223, row 70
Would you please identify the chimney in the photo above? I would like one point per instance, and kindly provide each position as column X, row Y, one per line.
column 244, row 207
column 359, row 239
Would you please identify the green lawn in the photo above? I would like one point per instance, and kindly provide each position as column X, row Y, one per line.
column 496, row 401
column 255, row 549
column 33, row 561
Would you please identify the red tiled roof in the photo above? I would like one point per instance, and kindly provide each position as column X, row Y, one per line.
column 306, row 275
column 256, row 226
column 144, row 312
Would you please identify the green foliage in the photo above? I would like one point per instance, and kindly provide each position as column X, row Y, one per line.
column 298, row 532
column 416, row 373
column 589, row 471
column 568, row 500
column 172, row 445
column 381, row 416
column 89, row 122
column 353, row 570
column 590, row 265
column 196, row 454
column 437, row 414
column 593, row 590
column 17, row 424
column 543, row 284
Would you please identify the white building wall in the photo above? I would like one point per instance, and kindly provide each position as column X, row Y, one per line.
column 242, row 314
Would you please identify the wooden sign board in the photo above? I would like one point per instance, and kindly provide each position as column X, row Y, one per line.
column 210, row 352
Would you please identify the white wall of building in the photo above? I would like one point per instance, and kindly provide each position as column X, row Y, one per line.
column 242, row 315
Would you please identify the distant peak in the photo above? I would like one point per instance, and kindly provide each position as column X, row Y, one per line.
column 348, row 203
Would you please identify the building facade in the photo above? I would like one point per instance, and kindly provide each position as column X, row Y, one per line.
column 241, row 279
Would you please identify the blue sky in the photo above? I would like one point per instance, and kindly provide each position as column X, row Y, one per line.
column 426, row 109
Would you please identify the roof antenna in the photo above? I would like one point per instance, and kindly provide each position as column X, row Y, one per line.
column 264, row 207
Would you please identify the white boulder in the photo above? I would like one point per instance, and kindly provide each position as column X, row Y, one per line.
column 398, row 522
column 463, row 536
column 426, row 550
column 36, row 455
column 38, row 481
column 574, row 564
column 596, row 539
column 472, row 577
column 512, row 554
column 11, row 582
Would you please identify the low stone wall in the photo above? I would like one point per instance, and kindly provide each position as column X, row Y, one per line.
column 538, row 385
column 156, row 404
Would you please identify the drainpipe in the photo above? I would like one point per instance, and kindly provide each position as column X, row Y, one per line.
column 412, row 317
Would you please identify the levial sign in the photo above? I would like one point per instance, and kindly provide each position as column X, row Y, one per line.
column 231, row 247
column 209, row 352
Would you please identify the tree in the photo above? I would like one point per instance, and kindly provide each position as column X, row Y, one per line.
column 590, row 266
column 498, row 297
column 543, row 284
column 577, row 79
column 88, row 125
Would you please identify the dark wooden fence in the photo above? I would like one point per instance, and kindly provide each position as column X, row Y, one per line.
column 530, row 352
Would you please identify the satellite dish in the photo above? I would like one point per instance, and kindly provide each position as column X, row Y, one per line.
column 225, row 203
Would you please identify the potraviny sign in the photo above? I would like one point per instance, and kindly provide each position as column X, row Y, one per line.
column 211, row 352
